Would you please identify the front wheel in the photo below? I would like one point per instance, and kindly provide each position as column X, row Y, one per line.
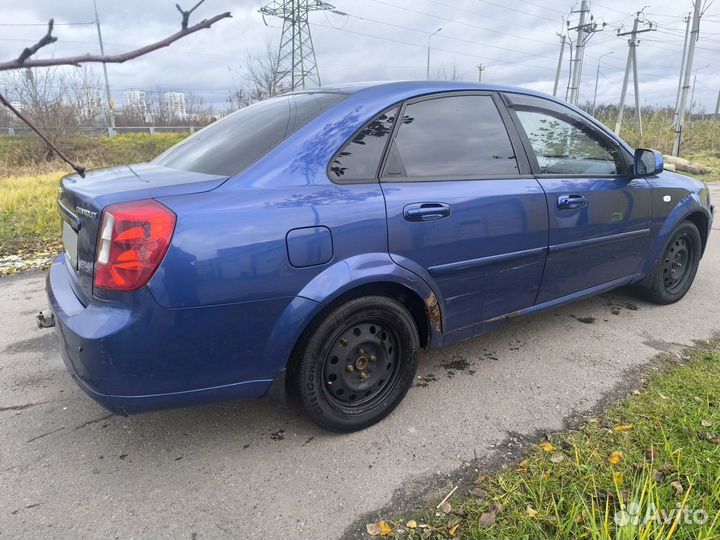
column 358, row 364
column 677, row 267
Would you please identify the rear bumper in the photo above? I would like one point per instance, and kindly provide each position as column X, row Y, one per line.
column 136, row 356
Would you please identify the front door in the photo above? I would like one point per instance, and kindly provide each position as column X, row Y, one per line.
column 462, row 210
column 599, row 214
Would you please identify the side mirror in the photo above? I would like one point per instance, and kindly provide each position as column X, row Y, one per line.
column 648, row 162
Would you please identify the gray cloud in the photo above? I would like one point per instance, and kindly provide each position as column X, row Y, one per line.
column 380, row 40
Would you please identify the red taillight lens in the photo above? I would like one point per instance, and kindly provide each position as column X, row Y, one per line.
column 132, row 241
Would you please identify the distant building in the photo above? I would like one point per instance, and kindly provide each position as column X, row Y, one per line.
column 91, row 103
column 174, row 105
column 135, row 102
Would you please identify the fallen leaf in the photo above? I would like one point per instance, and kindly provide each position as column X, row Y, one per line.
column 636, row 392
column 615, row 458
column 557, row 458
column 453, row 530
column 678, row 487
column 488, row 518
column 479, row 493
column 715, row 440
column 546, row 446
column 446, row 507
column 624, row 427
column 706, row 423
column 699, row 399
column 531, row 512
column 412, row 524
column 658, row 476
column 480, row 478
column 618, row 478
column 663, row 396
column 650, row 454
column 373, row 529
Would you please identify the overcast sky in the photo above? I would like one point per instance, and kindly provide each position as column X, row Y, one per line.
column 380, row 40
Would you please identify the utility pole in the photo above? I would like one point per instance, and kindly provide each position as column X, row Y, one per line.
column 427, row 70
column 481, row 68
column 694, row 34
column 563, row 37
column 682, row 70
column 586, row 28
column 632, row 63
column 597, row 77
column 108, row 97
column 717, row 106
column 296, row 62
column 692, row 93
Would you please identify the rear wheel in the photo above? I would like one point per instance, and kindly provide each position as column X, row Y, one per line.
column 677, row 267
column 358, row 363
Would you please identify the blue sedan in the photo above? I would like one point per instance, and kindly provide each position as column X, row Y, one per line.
column 315, row 242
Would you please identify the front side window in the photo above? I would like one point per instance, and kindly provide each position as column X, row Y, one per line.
column 233, row 143
column 565, row 144
column 451, row 137
column 360, row 158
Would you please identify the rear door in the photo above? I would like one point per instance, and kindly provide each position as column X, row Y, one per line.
column 599, row 214
column 463, row 210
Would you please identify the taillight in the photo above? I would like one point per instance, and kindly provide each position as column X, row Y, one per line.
column 132, row 241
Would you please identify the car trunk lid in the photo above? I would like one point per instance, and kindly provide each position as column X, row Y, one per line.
column 82, row 200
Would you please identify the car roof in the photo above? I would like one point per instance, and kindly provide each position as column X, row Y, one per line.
column 423, row 86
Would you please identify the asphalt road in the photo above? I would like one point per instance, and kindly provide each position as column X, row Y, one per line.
column 254, row 470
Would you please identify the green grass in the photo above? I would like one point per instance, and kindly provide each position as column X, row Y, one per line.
column 667, row 438
column 29, row 180
column 29, row 220
column 21, row 155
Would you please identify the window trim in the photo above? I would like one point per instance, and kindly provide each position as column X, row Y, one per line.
column 524, row 169
column 376, row 178
column 626, row 173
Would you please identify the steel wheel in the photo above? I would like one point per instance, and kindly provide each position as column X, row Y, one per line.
column 361, row 364
column 677, row 262
column 675, row 270
column 357, row 363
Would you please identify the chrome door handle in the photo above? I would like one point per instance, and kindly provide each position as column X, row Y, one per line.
column 572, row 201
column 426, row 211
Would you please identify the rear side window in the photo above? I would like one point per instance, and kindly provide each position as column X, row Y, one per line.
column 233, row 143
column 360, row 158
column 451, row 137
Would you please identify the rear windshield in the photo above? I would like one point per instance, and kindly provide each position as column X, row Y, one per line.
column 231, row 144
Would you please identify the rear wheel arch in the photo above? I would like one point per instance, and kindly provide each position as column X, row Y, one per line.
column 425, row 314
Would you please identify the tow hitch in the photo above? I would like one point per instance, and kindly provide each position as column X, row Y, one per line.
column 45, row 319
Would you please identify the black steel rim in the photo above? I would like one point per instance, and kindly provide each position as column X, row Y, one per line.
column 361, row 366
column 678, row 262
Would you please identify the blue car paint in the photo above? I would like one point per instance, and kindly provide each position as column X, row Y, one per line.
column 251, row 264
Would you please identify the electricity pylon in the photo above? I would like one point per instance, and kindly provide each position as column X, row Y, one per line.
column 633, row 42
column 296, row 63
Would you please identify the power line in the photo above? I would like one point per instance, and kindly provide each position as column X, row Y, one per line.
column 464, row 23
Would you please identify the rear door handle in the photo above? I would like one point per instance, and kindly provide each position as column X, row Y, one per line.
column 572, row 201
column 428, row 211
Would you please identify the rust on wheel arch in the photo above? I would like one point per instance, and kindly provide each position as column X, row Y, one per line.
column 433, row 311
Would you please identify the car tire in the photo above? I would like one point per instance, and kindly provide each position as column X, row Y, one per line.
column 357, row 363
column 676, row 268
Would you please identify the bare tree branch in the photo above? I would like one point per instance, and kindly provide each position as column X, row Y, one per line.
column 79, row 169
column 25, row 61
column 47, row 39
column 114, row 58
column 186, row 14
